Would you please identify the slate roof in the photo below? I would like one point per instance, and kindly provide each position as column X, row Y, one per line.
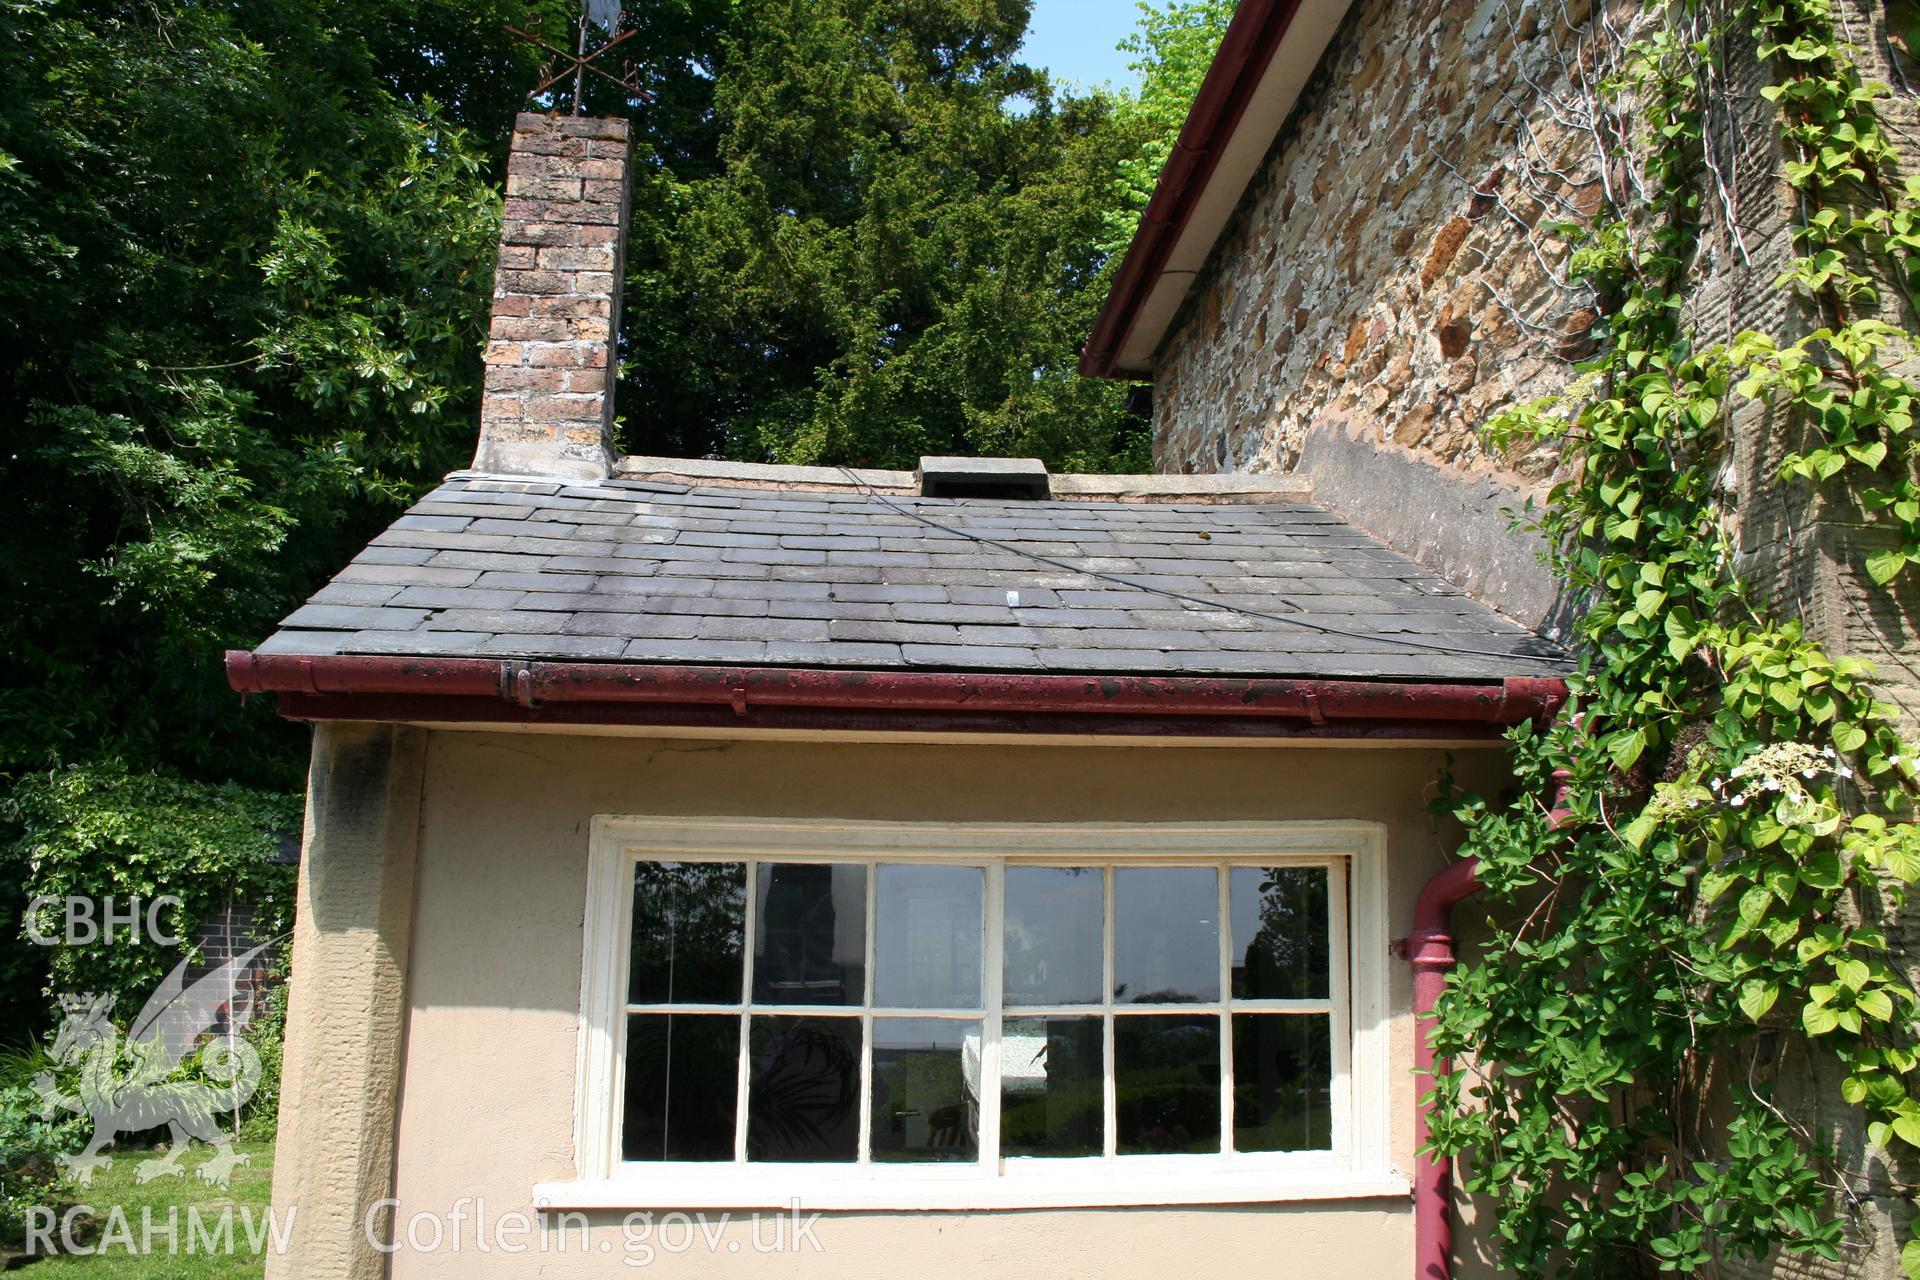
column 651, row 572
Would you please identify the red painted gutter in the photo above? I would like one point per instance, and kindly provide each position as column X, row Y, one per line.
column 1257, row 28
column 511, row 691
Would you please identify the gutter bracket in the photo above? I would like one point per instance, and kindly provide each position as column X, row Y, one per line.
column 516, row 683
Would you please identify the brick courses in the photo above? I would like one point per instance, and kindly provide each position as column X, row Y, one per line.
column 548, row 404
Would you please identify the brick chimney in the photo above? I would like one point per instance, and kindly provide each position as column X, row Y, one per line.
column 548, row 407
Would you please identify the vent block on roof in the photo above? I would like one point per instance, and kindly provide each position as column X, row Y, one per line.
column 983, row 478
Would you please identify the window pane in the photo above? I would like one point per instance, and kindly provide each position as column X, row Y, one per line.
column 1166, row 1075
column 926, row 1073
column 689, row 922
column 1282, row 1082
column 929, row 924
column 810, row 939
column 682, row 1081
column 803, row 1089
column 1166, row 934
column 1280, row 942
column 1052, row 1091
column 1054, row 920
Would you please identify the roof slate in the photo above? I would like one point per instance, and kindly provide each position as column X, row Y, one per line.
column 643, row 571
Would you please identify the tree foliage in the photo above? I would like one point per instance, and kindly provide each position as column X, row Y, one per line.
column 882, row 240
column 1172, row 48
column 242, row 279
column 244, row 263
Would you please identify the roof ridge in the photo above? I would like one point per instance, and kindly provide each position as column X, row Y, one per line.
column 1233, row 487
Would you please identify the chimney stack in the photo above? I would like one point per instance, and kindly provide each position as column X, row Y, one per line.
column 548, row 404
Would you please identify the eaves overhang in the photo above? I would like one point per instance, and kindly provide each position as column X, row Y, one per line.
column 1266, row 57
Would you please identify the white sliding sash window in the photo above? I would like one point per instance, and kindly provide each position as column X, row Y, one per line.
column 872, row 1015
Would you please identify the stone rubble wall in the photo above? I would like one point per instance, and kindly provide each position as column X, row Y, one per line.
column 1378, row 294
column 1377, row 273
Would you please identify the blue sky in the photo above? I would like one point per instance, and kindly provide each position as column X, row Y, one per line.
column 1074, row 39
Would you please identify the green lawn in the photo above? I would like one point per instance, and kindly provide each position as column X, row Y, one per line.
column 116, row 1186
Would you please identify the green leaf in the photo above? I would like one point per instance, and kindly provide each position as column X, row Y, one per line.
column 1636, row 832
column 1871, row 455
column 1884, row 566
column 1715, row 883
column 1625, row 747
column 1876, row 1004
column 1756, row 997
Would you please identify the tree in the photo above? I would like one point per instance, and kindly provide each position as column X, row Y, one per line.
column 1172, row 47
column 892, row 248
column 244, row 264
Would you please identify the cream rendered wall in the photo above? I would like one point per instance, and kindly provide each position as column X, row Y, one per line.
column 493, row 994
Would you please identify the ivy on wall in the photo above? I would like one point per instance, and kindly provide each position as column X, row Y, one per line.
column 105, row 834
column 1737, row 802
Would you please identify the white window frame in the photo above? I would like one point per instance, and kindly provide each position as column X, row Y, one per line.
column 1359, row 1165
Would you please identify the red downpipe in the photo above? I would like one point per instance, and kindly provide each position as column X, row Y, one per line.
column 1429, row 949
column 479, row 689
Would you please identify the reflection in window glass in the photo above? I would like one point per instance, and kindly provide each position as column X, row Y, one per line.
column 1055, row 917
column 1166, row 934
column 926, row 1075
column 689, row 924
column 810, row 939
column 1280, row 935
column 1282, row 1082
column 681, row 1086
column 927, row 943
column 1166, row 1074
column 803, row 1089
column 1052, row 1090
column 845, row 967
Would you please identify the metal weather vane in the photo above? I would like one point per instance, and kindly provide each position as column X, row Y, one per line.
column 595, row 15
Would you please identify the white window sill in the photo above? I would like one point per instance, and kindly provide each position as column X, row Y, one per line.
column 1083, row 1185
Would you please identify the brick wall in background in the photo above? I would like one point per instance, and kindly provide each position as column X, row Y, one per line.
column 227, row 935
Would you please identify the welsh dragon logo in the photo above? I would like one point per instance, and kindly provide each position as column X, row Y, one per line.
column 127, row 1084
